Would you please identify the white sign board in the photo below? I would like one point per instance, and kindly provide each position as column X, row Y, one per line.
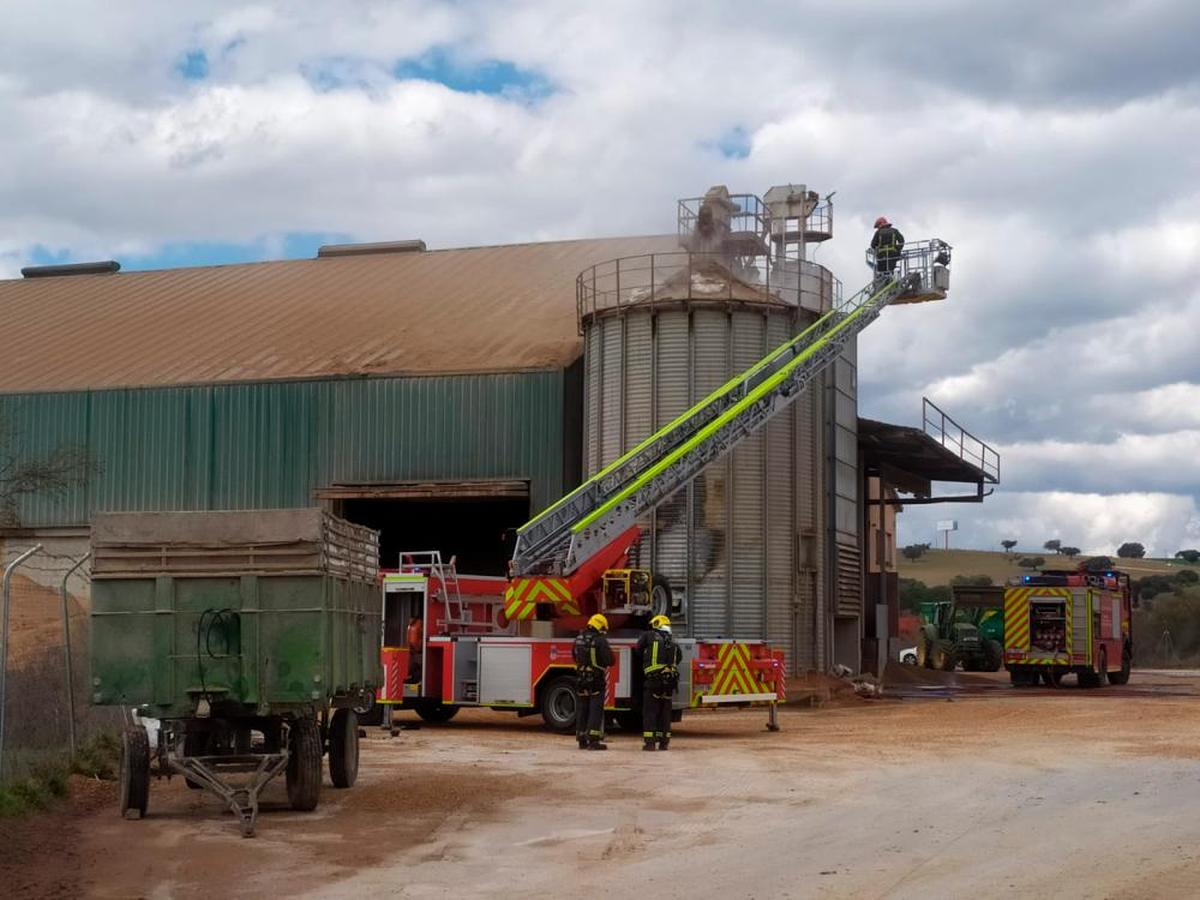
column 947, row 525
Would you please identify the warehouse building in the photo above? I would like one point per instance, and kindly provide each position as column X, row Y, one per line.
column 444, row 396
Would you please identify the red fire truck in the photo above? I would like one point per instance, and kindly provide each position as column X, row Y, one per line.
column 1058, row 622
column 472, row 655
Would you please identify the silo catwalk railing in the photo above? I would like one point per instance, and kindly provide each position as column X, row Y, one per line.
column 569, row 532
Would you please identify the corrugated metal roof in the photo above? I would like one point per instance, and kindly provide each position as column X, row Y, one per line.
column 480, row 309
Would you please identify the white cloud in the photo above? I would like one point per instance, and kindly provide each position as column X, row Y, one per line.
column 1056, row 155
column 1096, row 523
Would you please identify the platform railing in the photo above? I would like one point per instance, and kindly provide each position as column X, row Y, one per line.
column 952, row 436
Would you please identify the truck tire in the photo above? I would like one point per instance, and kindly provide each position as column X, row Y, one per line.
column 304, row 764
column 1122, row 677
column 435, row 712
column 660, row 596
column 558, row 704
column 343, row 748
column 135, row 771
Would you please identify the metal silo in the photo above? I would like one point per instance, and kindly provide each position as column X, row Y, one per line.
column 741, row 545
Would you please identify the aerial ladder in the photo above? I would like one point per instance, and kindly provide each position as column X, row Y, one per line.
column 562, row 555
column 506, row 643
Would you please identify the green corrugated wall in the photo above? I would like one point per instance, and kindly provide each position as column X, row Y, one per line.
column 246, row 446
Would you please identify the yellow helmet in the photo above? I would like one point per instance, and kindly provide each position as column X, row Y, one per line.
column 660, row 622
column 598, row 622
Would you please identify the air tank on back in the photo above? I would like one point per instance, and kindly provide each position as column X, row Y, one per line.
column 742, row 544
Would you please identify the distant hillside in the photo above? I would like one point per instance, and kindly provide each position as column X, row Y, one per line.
column 939, row 566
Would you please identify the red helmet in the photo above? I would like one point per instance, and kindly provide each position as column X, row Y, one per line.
column 881, row 222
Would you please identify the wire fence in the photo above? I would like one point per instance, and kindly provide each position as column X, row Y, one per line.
column 40, row 720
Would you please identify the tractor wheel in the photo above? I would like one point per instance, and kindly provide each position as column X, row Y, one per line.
column 343, row 748
column 1122, row 677
column 559, row 704
column 304, row 764
column 135, row 770
column 993, row 656
column 435, row 712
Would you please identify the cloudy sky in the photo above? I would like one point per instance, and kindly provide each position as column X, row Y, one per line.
column 1055, row 145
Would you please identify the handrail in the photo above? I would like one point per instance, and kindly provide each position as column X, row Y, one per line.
column 949, row 434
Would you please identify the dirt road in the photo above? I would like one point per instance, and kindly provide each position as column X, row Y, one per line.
column 1001, row 793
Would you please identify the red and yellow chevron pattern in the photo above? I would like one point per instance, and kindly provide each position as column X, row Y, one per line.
column 1016, row 617
column 522, row 596
column 733, row 675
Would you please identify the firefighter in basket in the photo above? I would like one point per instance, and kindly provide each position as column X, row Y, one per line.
column 660, row 658
column 593, row 656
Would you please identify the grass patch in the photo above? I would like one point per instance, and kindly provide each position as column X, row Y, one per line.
column 47, row 780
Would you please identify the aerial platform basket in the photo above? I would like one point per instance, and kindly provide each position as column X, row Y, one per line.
column 924, row 266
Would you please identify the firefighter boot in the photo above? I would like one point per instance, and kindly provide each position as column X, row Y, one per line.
column 647, row 744
column 597, row 745
column 583, row 742
column 662, row 745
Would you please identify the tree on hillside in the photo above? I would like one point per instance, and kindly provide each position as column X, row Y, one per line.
column 47, row 475
column 1131, row 550
column 1098, row 564
column 1052, row 546
column 1069, row 552
column 1031, row 562
column 913, row 552
column 1191, row 556
column 1008, row 546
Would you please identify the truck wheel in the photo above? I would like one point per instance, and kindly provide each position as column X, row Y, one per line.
column 559, row 704
column 435, row 712
column 660, row 596
column 1122, row 677
column 304, row 764
column 135, row 771
column 343, row 748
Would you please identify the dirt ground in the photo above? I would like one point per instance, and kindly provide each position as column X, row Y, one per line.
column 965, row 788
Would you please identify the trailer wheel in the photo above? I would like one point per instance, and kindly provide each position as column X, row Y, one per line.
column 435, row 712
column 304, row 764
column 135, row 771
column 343, row 748
column 559, row 704
column 1122, row 677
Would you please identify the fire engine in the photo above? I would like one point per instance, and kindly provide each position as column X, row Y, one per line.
column 505, row 643
column 1058, row 622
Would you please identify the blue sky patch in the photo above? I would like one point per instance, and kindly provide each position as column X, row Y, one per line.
column 734, row 143
column 193, row 65
column 493, row 76
column 179, row 254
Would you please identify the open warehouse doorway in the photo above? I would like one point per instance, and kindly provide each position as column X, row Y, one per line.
column 475, row 522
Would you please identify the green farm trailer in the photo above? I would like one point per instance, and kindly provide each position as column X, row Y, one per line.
column 251, row 636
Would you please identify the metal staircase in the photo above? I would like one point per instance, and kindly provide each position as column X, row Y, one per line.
column 570, row 531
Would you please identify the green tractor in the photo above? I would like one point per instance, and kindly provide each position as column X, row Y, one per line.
column 968, row 629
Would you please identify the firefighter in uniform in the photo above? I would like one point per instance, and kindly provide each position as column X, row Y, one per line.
column 660, row 676
column 888, row 243
column 593, row 656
